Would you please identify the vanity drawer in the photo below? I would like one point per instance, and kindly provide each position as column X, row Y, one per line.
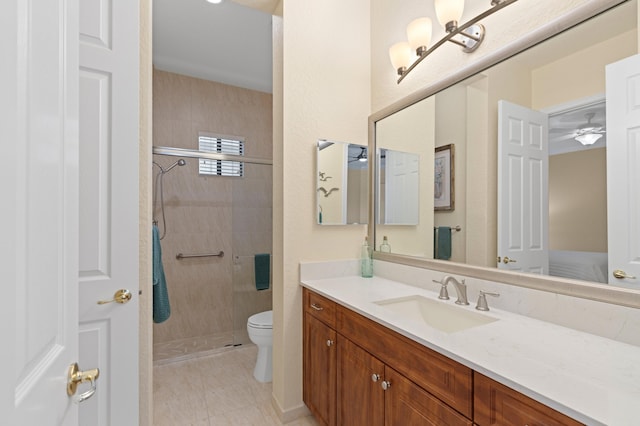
column 448, row 380
column 320, row 307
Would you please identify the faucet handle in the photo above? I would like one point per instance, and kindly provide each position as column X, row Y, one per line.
column 482, row 300
column 444, row 293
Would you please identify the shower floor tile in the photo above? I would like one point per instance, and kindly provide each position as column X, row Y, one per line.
column 213, row 390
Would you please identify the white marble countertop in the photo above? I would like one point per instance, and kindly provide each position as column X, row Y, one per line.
column 589, row 378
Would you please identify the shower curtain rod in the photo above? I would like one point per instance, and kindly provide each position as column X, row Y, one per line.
column 192, row 153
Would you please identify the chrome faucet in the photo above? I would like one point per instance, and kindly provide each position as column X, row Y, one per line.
column 461, row 289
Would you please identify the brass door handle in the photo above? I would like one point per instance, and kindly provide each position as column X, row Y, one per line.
column 76, row 377
column 121, row 296
column 506, row 260
column 620, row 274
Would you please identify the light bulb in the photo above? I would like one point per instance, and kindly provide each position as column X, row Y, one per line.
column 400, row 55
column 419, row 35
column 449, row 11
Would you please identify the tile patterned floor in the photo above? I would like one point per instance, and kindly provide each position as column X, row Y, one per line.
column 218, row 389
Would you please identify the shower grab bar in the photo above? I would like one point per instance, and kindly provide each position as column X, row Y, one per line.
column 187, row 256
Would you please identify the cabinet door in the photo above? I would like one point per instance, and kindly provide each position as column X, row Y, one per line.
column 360, row 394
column 496, row 405
column 319, row 365
column 408, row 404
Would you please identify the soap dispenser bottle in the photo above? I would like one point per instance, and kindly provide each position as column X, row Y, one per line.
column 385, row 247
column 366, row 259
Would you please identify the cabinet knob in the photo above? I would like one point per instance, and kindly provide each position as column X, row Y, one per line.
column 375, row 377
column 386, row 385
column 329, row 342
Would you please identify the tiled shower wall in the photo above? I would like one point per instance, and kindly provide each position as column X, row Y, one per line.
column 211, row 298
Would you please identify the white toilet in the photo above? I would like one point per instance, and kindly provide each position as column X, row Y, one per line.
column 260, row 329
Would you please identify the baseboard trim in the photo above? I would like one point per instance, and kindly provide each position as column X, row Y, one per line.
column 291, row 414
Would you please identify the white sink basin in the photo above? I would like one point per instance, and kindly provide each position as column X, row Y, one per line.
column 442, row 315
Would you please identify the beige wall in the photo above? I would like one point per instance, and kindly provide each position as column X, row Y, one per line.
column 211, row 298
column 325, row 94
column 553, row 85
column 358, row 198
column 451, row 120
column 578, row 201
column 412, row 130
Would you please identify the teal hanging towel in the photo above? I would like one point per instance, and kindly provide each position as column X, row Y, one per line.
column 161, row 307
column 442, row 244
column 262, row 264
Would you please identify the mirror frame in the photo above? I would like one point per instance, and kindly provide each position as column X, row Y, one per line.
column 569, row 287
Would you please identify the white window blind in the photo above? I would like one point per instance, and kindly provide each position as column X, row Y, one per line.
column 221, row 145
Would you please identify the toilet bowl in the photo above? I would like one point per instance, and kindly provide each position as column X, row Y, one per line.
column 260, row 329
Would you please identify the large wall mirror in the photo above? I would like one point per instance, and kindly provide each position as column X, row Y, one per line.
column 342, row 183
column 506, row 202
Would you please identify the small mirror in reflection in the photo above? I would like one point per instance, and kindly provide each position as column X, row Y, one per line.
column 342, row 185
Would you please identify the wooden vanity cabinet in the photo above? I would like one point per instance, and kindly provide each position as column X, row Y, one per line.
column 496, row 404
column 447, row 380
column 319, row 357
column 363, row 400
column 348, row 358
column 387, row 379
column 360, row 394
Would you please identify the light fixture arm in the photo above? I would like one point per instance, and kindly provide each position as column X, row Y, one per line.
column 496, row 6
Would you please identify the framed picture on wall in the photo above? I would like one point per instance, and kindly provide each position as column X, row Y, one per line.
column 444, row 178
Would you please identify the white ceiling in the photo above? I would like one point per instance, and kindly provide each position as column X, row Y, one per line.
column 228, row 43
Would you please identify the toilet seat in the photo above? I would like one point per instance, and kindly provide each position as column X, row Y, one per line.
column 262, row 320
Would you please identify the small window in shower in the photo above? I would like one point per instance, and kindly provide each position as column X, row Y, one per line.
column 221, row 145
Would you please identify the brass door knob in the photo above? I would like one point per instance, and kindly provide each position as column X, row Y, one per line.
column 76, row 377
column 620, row 274
column 506, row 260
column 121, row 296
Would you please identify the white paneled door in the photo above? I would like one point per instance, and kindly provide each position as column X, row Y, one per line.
column 109, row 68
column 523, row 180
column 39, row 213
column 623, row 171
column 69, row 216
column 401, row 172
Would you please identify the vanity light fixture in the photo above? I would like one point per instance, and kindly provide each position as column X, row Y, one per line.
column 449, row 13
column 214, row 1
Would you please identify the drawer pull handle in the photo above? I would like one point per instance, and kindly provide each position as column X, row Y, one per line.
column 316, row 307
